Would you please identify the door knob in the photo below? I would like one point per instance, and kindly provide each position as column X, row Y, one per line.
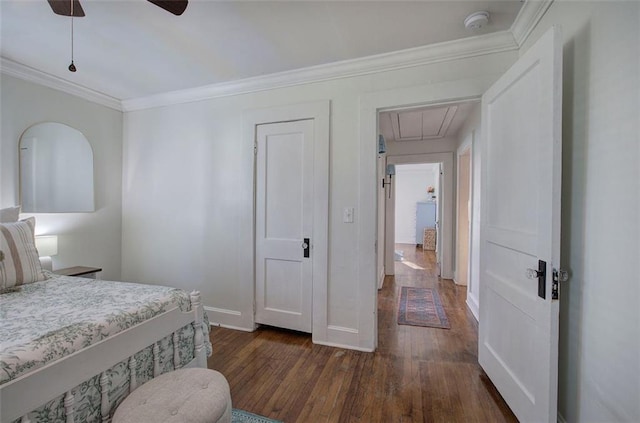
column 305, row 247
column 541, row 275
column 532, row 273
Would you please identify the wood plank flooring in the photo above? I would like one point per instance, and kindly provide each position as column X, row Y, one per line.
column 417, row 374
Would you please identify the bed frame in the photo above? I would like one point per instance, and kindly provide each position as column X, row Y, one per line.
column 29, row 391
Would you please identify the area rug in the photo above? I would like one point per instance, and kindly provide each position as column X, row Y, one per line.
column 239, row 416
column 421, row 307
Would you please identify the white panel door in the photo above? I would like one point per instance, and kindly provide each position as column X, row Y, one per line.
column 284, row 219
column 520, row 225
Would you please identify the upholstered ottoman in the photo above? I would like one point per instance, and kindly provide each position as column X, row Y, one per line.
column 185, row 395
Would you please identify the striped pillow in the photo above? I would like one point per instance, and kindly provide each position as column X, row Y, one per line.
column 19, row 262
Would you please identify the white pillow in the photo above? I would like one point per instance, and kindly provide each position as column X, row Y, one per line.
column 19, row 261
column 10, row 214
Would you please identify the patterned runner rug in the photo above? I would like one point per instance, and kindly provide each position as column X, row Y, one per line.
column 239, row 416
column 421, row 307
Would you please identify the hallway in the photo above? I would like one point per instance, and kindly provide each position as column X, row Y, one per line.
column 443, row 363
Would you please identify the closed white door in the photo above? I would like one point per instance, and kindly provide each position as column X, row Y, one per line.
column 520, row 230
column 284, row 224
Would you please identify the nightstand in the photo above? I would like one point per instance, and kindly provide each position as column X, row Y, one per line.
column 81, row 271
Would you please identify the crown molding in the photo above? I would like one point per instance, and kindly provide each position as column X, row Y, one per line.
column 26, row 73
column 496, row 42
column 434, row 53
column 530, row 14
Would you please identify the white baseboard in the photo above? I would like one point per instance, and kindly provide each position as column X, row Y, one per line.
column 223, row 311
column 337, row 336
column 221, row 325
column 344, row 346
column 343, row 329
column 455, row 279
column 342, row 337
column 473, row 305
column 561, row 419
column 381, row 278
column 230, row 319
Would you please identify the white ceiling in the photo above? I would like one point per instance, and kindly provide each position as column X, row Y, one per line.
column 424, row 123
column 131, row 48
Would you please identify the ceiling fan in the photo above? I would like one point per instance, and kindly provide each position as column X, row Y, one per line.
column 64, row 8
column 73, row 9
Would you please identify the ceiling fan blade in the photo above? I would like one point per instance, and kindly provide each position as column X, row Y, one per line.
column 177, row 7
column 63, row 7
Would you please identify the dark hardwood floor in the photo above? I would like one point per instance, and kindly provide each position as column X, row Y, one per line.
column 417, row 374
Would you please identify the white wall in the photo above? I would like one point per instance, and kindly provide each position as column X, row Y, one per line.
column 188, row 191
column 599, row 363
column 469, row 135
column 411, row 182
column 89, row 239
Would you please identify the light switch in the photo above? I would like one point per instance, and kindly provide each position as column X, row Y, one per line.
column 347, row 215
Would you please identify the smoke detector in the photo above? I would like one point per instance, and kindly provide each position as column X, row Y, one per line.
column 476, row 20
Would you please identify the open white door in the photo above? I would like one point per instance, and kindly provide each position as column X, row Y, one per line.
column 520, row 229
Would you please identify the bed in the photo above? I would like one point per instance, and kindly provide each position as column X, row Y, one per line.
column 71, row 349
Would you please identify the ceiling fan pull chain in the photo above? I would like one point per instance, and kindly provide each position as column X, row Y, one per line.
column 72, row 67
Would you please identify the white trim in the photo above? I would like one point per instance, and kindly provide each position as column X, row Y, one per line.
column 342, row 329
column 26, row 73
column 418, row 56
column 530, row 14
column 232, row 319
column 472, row 303
column 320, row 112
column 345, row 346
column 223, row 311
column 381, row 275
column 343, row 337
column 220, row 325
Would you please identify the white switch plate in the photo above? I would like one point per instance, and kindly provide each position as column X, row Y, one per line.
column 347, row 215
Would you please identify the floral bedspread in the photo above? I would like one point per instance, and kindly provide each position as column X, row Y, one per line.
column 44, row 321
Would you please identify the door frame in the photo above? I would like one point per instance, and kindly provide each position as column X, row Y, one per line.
column 445, row 197
column 319, row 111
column 370, row 105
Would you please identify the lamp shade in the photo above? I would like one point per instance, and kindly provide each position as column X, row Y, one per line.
column 47, row 245
column 391, row 169
column 382, row 145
